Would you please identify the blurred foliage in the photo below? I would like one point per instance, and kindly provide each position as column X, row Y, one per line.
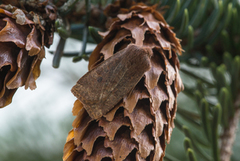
column 210, row 69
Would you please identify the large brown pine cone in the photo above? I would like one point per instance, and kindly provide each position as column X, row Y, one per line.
column 23, row 36
column 139, row 125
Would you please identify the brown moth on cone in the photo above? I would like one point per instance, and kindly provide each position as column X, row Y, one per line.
column 106, row 84
column 138, row 126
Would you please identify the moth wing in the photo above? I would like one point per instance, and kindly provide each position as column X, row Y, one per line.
column 104, row 86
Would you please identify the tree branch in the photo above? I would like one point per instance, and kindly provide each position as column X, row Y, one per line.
column 229, row 134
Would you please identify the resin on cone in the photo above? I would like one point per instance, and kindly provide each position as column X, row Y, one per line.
column 23, row 36
column 137, row 127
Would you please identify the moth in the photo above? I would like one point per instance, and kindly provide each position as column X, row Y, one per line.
column 101, row 88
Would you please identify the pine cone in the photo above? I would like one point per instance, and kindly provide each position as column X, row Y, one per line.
column 138, row 126
column 22, row 38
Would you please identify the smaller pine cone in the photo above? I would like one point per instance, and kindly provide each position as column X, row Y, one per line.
column 136, row 128
column 23, row 36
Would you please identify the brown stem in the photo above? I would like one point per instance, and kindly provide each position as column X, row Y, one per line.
column 229, row 135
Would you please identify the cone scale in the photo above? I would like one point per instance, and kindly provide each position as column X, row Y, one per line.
column 137, row 126
column 23, row 35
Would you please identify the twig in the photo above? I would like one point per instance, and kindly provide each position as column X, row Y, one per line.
column 229, row 134
column 59, row 52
